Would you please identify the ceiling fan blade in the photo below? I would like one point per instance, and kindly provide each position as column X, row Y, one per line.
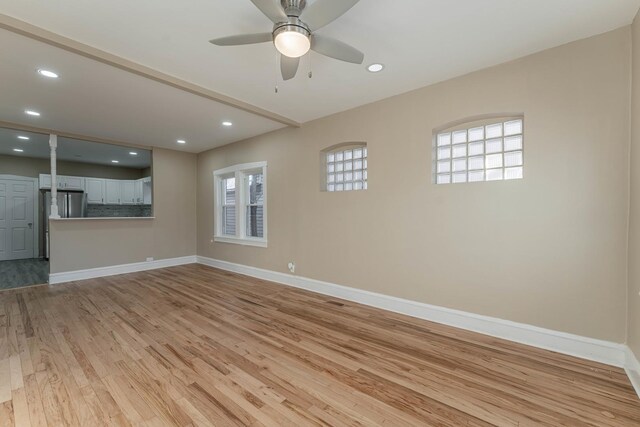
column 242, row 39
column 322, row 12
column 272, row 10
column 333, row 48
column 288, row 67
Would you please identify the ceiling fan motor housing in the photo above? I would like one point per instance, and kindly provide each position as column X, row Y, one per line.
column 293, row 7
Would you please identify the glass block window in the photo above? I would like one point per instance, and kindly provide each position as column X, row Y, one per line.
column 491, row 152
column 347, row 169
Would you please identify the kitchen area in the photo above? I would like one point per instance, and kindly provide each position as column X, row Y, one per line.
column 94, row 181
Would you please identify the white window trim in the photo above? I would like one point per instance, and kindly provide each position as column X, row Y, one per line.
column 239, row 172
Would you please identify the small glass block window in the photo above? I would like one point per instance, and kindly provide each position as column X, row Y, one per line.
column 347, row 168
column 492, row 152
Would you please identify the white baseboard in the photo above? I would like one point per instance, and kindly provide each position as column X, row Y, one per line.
column 574, row 345
column 70, row 276
column 633, row 370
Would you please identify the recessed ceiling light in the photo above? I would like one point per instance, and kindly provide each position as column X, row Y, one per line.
column 227, row 124
column 31, row 112
column 115, row 161
column 133, row 153
column 18, row 150
column 25, row 138
column 181, row 141
column 375, row 68
column 47, row 73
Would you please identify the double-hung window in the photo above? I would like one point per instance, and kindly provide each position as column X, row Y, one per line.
column 241, row 204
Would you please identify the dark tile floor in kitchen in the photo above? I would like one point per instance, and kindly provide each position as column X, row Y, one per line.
column 23, row 272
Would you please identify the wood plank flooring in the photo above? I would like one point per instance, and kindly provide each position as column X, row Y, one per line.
column 194, row 346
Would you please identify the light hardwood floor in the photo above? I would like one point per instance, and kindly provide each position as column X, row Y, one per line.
column 193, row 345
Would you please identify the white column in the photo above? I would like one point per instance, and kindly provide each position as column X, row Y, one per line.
column 53, row 144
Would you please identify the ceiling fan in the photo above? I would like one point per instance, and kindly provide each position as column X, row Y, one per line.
column 293, row 36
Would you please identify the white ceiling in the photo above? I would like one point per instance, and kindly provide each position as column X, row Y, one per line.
column 420, row 42
column 94, row 99
column 72, row 150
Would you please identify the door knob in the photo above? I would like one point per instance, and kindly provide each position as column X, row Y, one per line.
column 30, row 225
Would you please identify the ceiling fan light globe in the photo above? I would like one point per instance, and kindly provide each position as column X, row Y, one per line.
column 293, row 44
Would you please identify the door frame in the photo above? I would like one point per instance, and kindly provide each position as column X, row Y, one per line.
column 36, row 209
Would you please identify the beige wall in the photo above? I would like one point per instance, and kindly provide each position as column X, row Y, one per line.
column 549, row 250
column 633, row 327
column 83, row 244
column 31, row 167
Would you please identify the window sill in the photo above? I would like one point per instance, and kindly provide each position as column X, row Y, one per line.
column 261, row 243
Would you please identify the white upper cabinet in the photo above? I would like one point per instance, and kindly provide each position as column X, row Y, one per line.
column 112, row 192
column 139, row 192
column 147, row 190
column 75, row 183
column 95, row 191
column 128, row 192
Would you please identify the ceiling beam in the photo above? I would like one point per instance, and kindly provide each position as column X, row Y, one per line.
column 45, row 131
column 25, row 29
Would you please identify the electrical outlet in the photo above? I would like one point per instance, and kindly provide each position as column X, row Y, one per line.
column 149, row 259
column 292, row 267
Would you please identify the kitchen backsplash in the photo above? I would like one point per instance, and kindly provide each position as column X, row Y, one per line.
column 111, row 211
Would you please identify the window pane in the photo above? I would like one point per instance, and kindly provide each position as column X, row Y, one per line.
column 348, row 155
column 494, row 146
column 331, row 178
column 459, row 177
column 459, row 136
column 229, row 189
column 357, row 176
column 444, row 153
column 330, row 157
column 476, row 163
column 444, row 178
column 331, row 167
column 339, row 167
column 513, row 158
column 364, row 174
column 476, row 134
column 513, row 173
column 348, row 186
column 460, row 165
column 229, row 220
column 494, row 131
column 444, row 139
column 459, row 150
column 255, row 189
column 476, row 148
column 339, row 177
column 339, row 187
column 348, row 176
column 364, row 153
column 357, row 153
column 331, row 187
column 513, row 128
column 357, row 164
column 494, row 175
column 357, row 185
column 444, row 166
column 348, row 165
column 255, row 221
column 513, row 143
column 339, row 156
column 493, row 161
column 476, row 176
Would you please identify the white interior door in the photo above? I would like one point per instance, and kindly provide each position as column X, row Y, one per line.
column 16, row 219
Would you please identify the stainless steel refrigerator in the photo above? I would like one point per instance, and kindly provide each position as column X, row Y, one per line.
column 71, row 204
